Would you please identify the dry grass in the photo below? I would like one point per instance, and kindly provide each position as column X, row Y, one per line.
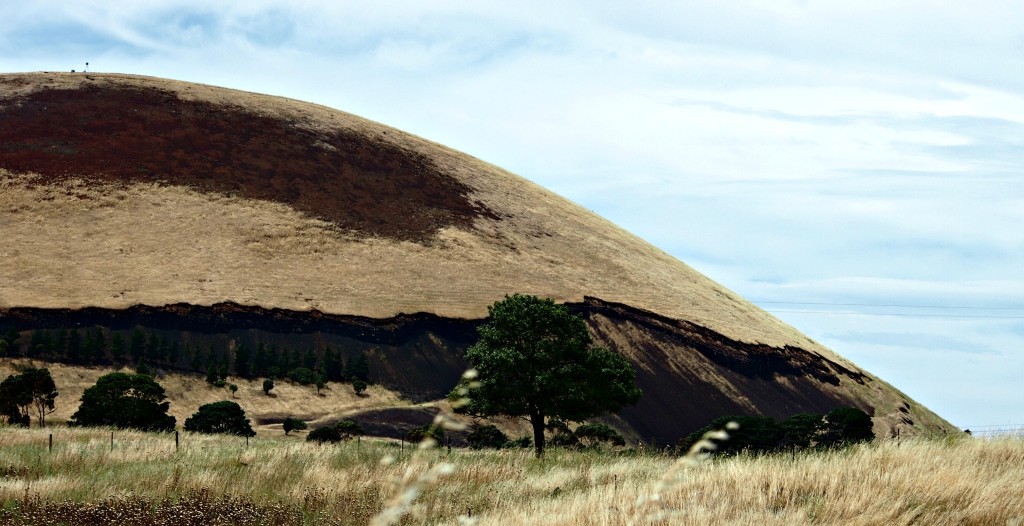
column 921, row 481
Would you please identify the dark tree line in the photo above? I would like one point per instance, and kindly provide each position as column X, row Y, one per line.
column 215, row 358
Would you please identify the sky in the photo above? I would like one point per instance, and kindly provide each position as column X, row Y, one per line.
column 855, row 168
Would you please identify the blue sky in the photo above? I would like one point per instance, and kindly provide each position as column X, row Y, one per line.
column 857, row 168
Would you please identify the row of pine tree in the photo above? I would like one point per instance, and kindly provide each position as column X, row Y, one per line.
column 101, row 346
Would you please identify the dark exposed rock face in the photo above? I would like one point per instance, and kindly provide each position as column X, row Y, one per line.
column 689, row 374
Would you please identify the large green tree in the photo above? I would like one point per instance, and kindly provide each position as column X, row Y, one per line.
column 535, row 359
column 224, row 417
column 125, row 400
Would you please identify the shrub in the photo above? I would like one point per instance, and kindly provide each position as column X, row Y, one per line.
column 418, row 434
column 594, row 434
column 349, row 428
column 487, row 436
column 359, row 386
column 324, row 434
column 268, row 384
column 302, row 376
column 293, row 424
column 845, row 426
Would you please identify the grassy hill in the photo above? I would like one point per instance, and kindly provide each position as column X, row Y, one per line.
column 211, row 215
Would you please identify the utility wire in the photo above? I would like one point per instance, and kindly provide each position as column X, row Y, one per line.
column 954, row 307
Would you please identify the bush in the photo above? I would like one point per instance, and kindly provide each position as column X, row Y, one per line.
column 359, row 386
column 349, row 428
column 324, row 434
column 845, row 426
column 293, row 424
column 224, row 417
column 302, row 376
column 418, row 434
column 594, row 434
column 268, row 384
column 487, row 436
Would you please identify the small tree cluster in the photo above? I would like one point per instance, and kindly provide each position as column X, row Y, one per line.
column 32, row 390
column 760, row 434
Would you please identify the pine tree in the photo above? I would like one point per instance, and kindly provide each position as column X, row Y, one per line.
column 138, row 345
column 74, row 348
column 117, row 348
column 309, row 360
column 334, row 367
column 261, row 364
column 58, row 344
column 175, row 353
column 359, row 368
column 243, row 359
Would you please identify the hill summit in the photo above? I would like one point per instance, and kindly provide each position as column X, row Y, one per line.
column 230, row 218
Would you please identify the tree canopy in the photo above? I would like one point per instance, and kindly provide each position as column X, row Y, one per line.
column 535, row 359
column 32, row 389
column 838, row 428
column 125, row 400
column 224, row 417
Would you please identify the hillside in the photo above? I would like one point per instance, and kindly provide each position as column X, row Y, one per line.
column 228, row 218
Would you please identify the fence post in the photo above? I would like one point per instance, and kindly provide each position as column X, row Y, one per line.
column 111, row 441
column 449, row 445
column 175, row 440
column 51, row 442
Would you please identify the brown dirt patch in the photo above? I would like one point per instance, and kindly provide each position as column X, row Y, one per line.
column 359, row 182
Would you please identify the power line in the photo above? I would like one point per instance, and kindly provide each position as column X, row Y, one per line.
column 899, row 314
column 954, row 307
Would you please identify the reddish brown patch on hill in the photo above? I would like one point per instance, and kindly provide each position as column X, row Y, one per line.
column 359, row 182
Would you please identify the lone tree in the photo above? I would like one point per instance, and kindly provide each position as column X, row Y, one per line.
column 125, row 400
column 224, row 417
column 536, row 360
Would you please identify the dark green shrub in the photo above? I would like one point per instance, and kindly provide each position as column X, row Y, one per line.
column 594, row 434
column 349, row 428
column 268, row 384
column 359, row 386
column 845, row 426
column 418, row 434
column 324, row 434
column 487, row 436
column 293, row 424
column 302, row 376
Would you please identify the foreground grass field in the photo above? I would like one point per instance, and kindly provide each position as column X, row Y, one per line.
column 143, row 479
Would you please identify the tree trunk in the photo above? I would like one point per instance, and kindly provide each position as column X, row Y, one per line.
column 537, row 419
